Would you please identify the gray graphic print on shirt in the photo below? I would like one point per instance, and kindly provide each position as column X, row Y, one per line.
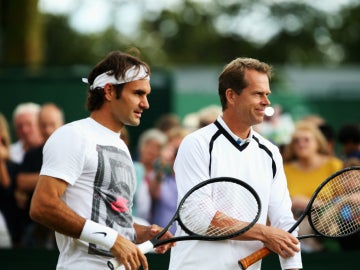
column 114, row 186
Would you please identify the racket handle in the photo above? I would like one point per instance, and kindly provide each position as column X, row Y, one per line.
column 144, row 248
column 253, row 258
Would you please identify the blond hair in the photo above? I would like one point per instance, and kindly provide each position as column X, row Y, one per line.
column 4, row 133
column 322, row 143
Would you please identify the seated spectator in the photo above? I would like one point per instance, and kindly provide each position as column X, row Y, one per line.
column 351, row 242
column 8, row 169
column 150, row 144
column 25, row 120
column 201, row 118
column 5, row 182
column 315, row 119
column 326, row 129
column 330, row 135
column 51, row 117
column 349, row 138
column 162, row 186
column 308, row 163
column 167, row 121
column 209, row 114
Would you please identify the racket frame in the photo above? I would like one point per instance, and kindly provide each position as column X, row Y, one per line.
column 146, row 246
column 263, row 252
column 307, row 211
column 193, row 236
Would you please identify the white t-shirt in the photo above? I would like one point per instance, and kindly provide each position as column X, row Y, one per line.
column 98, row 167
column 213, row 152
column 17, row 152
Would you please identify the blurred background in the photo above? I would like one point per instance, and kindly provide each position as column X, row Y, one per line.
column 47, row 46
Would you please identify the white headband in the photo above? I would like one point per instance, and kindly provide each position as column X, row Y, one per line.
column 132, row 74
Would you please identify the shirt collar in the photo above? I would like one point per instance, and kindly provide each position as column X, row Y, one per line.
column 239, row 140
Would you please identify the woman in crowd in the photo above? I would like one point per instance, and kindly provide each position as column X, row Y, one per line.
column 307, row 162
column 9, row 231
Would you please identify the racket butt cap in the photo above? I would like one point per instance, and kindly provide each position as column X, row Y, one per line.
column 111, row 264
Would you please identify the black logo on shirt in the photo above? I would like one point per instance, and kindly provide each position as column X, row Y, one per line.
column 103, row 233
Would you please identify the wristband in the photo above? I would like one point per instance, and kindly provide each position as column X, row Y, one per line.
column 98, row 234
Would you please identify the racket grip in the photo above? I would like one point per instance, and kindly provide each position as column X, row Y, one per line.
column 144, row 248
column 253, row 258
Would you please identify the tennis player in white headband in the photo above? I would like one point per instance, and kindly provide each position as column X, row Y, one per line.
column 87, row 182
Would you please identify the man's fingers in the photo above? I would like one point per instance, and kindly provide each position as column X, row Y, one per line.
column 289, row 250
column 127, row 266
column 144, row 262
column 135, row 262
column 134, row 265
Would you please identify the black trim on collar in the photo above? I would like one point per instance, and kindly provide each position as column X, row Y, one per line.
column 268, row 152
column 222, row 131
column 213, row 138
column 230, row 138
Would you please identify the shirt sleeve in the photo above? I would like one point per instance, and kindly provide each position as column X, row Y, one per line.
column 191, row 164
column 191, row 168
column 63, row 154
column 280, row 214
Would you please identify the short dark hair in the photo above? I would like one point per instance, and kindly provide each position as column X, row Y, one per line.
column 233, row 75
column 328, row 131
column 115, row 63
column 349, row 133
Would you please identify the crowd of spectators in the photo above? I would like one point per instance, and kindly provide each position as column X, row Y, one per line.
column 311, row 150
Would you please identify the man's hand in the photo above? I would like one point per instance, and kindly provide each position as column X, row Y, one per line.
column 128, row 254
column 145, row 233
column 154, row 230
column 281, row 242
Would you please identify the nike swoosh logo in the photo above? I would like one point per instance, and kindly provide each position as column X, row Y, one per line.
column 103, row 233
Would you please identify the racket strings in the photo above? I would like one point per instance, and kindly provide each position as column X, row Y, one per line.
column 336, row 208
column 228, row 225
column 219, row 210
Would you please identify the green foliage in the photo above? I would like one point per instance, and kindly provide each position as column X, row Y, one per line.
column 347, row 34
column 65, row 46
column 211, row 33
column 305, row 35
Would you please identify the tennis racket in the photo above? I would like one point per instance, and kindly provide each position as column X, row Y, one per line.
column 333, row 210
column 215, row 209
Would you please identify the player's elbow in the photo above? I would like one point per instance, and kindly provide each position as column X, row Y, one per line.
column 37, row 211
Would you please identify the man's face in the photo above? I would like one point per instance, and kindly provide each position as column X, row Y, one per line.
column 250, row 105
column 305, row 144
column 150, row 151
column 49, row 120
column 132, row 102
column 27, row 129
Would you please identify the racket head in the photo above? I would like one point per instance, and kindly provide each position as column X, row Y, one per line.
column 230, row 196
column 334, row 209
column 219, row 208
